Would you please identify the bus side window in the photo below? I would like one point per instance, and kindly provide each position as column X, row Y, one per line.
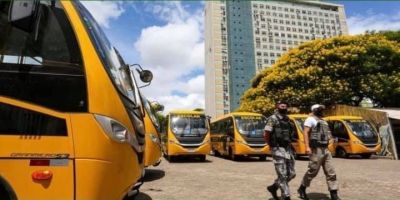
column 213, row 128
column 229, row 125
column 339, row 130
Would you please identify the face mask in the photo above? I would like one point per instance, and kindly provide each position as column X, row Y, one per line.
column 283, row 111
column 318, row 113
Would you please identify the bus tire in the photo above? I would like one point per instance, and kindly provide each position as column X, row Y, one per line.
column 366, row 155
column 262, row 158
column 170, row 158
column 232, row 156
column 6, row 192
column 216, row 153
column 202, row 158
column 341, row 153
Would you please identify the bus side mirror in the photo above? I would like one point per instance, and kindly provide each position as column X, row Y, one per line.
column 24, row 14
column 146, row 76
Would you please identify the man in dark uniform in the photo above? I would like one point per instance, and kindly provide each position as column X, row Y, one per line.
column 279, row 134
column 316, row 138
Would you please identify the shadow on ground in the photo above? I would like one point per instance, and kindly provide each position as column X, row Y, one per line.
column 153, row 174
column 314, row 196
column 245, row 159
column 187, row 159
column 142, row 196
column 318, row 196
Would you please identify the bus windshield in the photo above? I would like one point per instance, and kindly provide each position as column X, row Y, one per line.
column 150, row 111
column 361, row 128
column 189, row 125
column 115, row 66
column 251, row 126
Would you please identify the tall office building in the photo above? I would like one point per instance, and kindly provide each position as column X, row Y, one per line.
column 244, row 37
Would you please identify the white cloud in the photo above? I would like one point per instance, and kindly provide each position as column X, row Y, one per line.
column 104, row 11
column 172, row 51
column 358, row 24
column 172, row 12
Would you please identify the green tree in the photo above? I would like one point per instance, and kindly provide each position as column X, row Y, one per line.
column 391, row 35
column 343, row 70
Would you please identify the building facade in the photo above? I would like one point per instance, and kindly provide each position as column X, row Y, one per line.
column 244, row 37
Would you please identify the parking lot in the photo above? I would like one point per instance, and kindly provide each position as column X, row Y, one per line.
column 223, row 179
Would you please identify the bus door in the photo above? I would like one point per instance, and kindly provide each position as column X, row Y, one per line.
column 230, row 135
column 164, row 134
column 339, row 131
column 297, row 132
column 36, row 154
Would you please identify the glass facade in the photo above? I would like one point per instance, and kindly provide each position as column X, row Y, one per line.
column 240, row 49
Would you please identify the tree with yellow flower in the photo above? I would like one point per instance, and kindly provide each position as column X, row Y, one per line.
column 339, row 70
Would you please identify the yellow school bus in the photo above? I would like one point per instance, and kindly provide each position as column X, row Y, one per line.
column 239, row 134
column 355, row 136
column 186, row 133
column 298, row 145
column 152, row 153
column 71, row 119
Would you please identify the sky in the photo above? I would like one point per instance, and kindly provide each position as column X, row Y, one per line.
column 167, row 38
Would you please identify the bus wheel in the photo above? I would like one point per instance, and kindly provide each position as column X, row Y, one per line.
column 262, row 158
column 366, row 155
column 202, row 158
column 232, row 156
column 341, row 153
column 171, row 158
column 216, row 153
column 6, row 192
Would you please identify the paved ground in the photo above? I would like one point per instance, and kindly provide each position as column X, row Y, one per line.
column 222, row 179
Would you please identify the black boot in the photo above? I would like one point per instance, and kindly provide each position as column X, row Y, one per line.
column 334, row 195
column 302, row 192
column 286, row 198
column 273, row 190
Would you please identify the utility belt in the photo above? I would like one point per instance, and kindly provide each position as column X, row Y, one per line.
column 317, row 144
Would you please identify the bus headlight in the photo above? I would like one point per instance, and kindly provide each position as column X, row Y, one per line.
column 357, row 142
column 114, row 129
column 241, row 141
column 118, row 132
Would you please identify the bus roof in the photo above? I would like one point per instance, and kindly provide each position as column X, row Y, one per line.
column 298, row 115
column 342, row 117
column 237, row 114
column 186, row 112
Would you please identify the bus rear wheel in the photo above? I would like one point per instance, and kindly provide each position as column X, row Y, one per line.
column 366, row 155
column 341, row 153
column 6, row 192
column 262, row 158
column 232, row 156
column 216, row 153
column 171, row 158
column 202, row 158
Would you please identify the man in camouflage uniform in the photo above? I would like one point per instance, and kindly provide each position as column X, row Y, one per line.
column 316, row 138
column 279, row 135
